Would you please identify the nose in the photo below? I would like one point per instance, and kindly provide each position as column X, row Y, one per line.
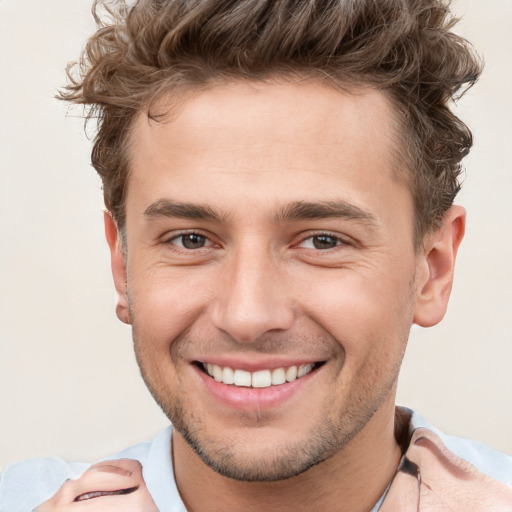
column 252, row 298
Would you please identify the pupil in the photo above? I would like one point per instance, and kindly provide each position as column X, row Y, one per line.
column 324, row 242
column 193, row 241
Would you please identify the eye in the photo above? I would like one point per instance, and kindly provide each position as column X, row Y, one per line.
column 321, row 242
column 191, row 241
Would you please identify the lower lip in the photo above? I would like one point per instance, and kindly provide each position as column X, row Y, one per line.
column 254, row 399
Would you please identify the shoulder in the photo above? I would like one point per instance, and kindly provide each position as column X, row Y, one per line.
column 25, row 485
column 490, row 462
column 441, row 472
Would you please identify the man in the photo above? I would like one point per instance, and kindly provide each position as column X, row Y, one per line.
column 279, row 179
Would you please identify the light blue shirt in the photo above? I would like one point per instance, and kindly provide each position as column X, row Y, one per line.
column 27, row 484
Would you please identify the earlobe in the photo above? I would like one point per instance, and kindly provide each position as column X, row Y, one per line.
column 435, row 268
column 118, row 268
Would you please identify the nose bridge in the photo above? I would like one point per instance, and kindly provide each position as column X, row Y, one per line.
column 252, row 297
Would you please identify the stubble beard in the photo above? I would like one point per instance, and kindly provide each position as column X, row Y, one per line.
column 226, row 455
column 330, row 435
column 228, row 459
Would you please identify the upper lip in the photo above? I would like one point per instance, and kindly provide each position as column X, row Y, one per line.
column 257, row 364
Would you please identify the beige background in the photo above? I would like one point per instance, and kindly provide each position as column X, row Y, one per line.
column 69, row 385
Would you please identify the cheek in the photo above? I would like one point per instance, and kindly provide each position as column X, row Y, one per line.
column 366, row 312
column 164, row 302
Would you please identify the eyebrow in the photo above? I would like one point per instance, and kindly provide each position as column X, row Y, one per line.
column 294, row 211
column 303, row 210
column 168, row 208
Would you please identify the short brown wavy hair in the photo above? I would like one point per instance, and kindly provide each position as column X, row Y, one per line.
column 403, row 47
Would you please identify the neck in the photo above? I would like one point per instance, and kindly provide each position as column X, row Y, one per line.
column 351, row 480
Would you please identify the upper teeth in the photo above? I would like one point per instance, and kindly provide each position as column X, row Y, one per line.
column 259, row 379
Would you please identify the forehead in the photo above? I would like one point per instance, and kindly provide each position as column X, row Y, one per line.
column 270, row 142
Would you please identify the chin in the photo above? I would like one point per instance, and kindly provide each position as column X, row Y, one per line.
column 264, row 453
column 259, row 462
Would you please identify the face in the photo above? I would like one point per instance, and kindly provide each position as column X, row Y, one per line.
column 107, row 486
column 270, row 271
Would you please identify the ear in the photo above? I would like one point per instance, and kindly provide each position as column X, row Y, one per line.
column 435, row 268
column 118, row 268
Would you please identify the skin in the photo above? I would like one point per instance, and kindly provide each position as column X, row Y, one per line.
column 262, row 292
column 106, row 478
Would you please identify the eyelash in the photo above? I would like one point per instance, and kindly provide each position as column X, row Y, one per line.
column 339, row 241
column 171, row 240
column 311, row 236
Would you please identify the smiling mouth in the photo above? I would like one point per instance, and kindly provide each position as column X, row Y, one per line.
column 258, row 379
column 99, row 494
